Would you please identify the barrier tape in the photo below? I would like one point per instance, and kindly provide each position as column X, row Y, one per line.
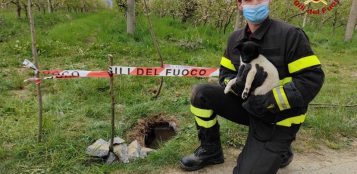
column 166, row 71
column 63, row 74
column 28, row 64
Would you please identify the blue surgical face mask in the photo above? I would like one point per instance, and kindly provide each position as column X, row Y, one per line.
column 256, row 14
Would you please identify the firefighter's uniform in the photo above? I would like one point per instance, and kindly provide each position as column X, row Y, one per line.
column 270, row 133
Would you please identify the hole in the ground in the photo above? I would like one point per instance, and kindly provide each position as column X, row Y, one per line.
column 158, row 134
column 154, row 131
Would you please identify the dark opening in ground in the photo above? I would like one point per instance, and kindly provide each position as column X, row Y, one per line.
column 158, row 134
column 154, row 131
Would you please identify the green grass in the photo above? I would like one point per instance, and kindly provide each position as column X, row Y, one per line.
column 76, row 112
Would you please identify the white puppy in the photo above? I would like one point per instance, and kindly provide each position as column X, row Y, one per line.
column 250, row 54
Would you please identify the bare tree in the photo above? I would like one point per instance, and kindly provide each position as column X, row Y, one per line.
column 4, row 3
column 351, row 21
column 131, row 20
column 18, row 7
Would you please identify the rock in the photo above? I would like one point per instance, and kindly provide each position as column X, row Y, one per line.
column 121, row 151
column 117, row 140
column 134, row 150
column 100, row 148
column 145, row 151
column 173, row 125
column 111, row 158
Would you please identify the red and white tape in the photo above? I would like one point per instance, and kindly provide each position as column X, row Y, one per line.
column 167, row 70
column 63, row 74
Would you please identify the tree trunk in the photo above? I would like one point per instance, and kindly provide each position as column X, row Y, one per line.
column 239, row 21
column 18, row 9
column 49, row 6
column 35, row 58
column 131, row 21
column 351, row 21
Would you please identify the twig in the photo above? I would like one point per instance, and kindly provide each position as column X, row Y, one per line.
column 156, row 44
column 293, row 16
column 111, row 84
column 37, row 74
column 327, row 105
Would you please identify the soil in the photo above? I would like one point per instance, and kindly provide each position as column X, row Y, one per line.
column 145, row 128
column 321, row 161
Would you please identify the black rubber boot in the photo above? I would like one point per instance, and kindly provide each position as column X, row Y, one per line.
column 287, row 158
column 209, row 153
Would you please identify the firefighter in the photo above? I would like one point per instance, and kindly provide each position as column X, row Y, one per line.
column 273, row 118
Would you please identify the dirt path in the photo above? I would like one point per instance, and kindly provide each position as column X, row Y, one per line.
column 323, row 161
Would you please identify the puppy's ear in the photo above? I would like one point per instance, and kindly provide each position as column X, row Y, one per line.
column 257, row 47
column 238, row 48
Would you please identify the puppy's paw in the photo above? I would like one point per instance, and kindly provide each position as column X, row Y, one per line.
column 245, row 93
column 227, row 89
column 229, row 86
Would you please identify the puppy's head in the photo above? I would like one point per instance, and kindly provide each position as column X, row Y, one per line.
column 248, row 50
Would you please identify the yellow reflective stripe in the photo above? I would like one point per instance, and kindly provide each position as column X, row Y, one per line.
column 292, row 120
column 206, row 124
column 277, row 99
column 226, row 81
column 280, row 98
column 204, row 113
column 285, row 81
column 228, row 64
column 284, row 97
column 303, row 63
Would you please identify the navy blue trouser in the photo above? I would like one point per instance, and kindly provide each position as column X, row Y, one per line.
column 266, row 144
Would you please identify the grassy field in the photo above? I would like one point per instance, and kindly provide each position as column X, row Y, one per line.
column 77, row 112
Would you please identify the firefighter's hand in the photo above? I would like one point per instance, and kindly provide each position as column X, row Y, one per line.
column 261, row 106
column 237, row 84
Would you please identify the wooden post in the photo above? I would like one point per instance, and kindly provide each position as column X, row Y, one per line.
column 111, row 84
column 37, row 74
